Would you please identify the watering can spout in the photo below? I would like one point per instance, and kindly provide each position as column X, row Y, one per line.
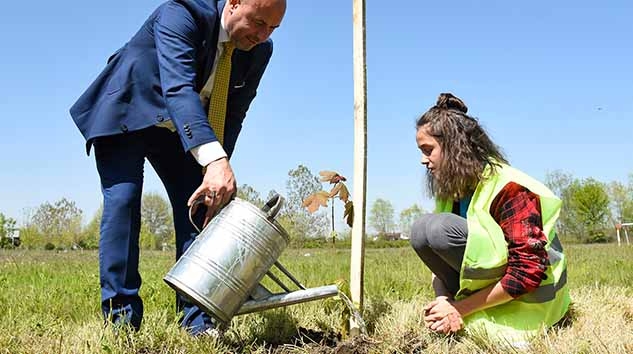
column 286, row 299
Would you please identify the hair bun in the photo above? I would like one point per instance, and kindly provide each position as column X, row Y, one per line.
column 450, row 101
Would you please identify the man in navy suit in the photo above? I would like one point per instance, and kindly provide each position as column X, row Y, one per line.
column 147, row 104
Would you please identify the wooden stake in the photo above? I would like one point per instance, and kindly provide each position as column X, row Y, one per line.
column 360, row 161
column 617, row 232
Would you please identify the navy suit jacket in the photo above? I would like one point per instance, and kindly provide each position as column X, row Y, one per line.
column 158, row 74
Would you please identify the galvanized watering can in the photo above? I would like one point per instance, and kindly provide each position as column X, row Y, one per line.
column 222, row 269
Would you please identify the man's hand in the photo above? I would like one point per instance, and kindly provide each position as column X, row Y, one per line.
column 217, row 188
column 441, row 316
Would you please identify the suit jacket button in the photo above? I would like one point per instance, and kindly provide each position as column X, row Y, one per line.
column 124, row 128
column 189, row 135
column 186, row 126
column 160, row 118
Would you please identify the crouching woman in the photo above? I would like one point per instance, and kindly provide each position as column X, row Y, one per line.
column 498, row 266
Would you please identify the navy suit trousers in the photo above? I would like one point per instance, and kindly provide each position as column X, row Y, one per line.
column 120, row 160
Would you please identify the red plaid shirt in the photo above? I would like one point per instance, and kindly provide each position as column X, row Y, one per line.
column 518, row 212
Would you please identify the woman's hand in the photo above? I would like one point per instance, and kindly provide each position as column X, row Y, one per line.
column 441, row 316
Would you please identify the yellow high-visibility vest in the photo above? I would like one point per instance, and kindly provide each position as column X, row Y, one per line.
column 486, row 258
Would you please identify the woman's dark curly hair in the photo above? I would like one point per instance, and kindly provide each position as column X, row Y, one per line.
column 466, row 148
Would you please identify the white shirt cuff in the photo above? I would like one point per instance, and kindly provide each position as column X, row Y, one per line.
column 207, row 153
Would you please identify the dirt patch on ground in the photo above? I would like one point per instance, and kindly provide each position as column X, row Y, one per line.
column 356, row 345
column 316, row 342
column 310, row 336
column 412, row 342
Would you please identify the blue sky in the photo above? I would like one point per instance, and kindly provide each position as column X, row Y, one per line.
column 551, row 81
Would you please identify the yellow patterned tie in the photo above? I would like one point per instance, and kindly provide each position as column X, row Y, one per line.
column 217, row 102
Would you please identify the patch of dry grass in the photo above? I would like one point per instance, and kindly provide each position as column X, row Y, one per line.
column 49, row 303
column 600, row 323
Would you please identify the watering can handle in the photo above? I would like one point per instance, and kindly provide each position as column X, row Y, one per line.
column 272, row 207
column 195, row 202
column 198, row 201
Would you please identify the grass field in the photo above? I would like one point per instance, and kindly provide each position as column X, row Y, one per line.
column 49, row 303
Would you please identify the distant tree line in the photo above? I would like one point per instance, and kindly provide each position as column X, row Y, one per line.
column 591, row 208
column 59, row 225
column 590, row 211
